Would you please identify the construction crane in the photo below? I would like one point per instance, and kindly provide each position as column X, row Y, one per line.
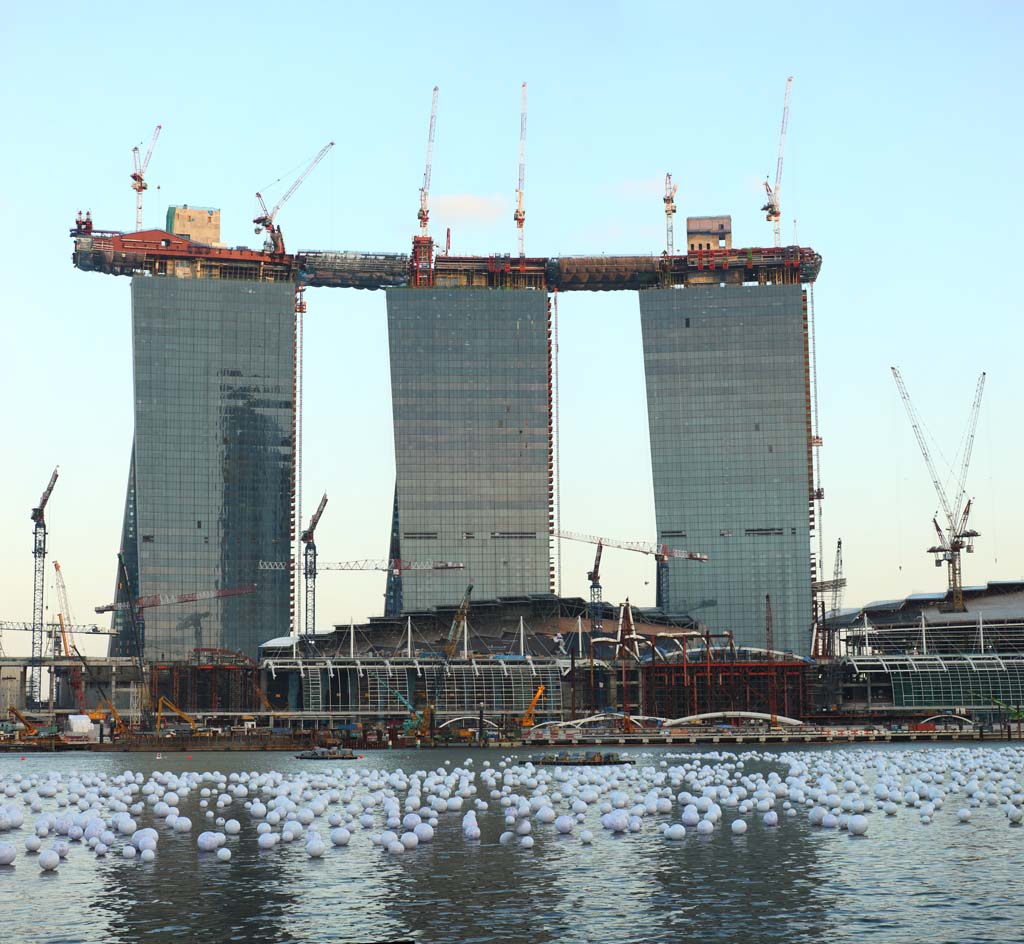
column 424, row 212
column 526, row 721
column 662, row 553
column 956, row 536
column 838, row 580
column 772, row 210
column 670, row 212
column 139, row 184
column 68, row 646
column 29, row 729
column 422, row 262
column 520, row 214
column 596, row 603
column 35, row 674
column 265, row 220
column 309, row 557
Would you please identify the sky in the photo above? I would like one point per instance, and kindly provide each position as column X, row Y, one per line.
column 902, row 168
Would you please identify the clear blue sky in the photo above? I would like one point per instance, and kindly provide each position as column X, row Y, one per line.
column 902, row 167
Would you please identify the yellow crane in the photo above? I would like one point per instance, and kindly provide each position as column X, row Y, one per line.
column 170, row 706
column 526, row 721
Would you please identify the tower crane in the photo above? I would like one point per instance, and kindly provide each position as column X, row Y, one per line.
column 422, row 263
column 772, row 210
column 265, row 220
column 35, row 675
column 955, row 536
column 520, row 214
column 68, row 646
column 662, row 553
column 596, row 603
column 424, row 212
column 309, row 559
column 670, row 212
column 139, row 184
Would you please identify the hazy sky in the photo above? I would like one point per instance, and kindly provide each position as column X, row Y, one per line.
column 903, row 167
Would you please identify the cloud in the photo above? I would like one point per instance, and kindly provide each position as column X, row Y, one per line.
column 469, row 207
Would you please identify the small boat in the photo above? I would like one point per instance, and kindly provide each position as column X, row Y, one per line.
column 327, row 753
column 579, row 759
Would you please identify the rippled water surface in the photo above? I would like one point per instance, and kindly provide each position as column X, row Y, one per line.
column 903, row 882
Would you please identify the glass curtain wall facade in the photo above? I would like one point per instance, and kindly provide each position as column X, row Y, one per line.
column 213, row 462
column 470, row 389
column 729, row 413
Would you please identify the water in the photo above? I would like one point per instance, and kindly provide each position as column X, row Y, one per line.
column 904, row 882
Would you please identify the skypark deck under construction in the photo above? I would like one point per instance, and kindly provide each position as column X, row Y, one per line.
column 157, row 252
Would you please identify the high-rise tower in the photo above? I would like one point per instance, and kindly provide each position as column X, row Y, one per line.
column 471, row 395
column 212, row 472
column 728, row 396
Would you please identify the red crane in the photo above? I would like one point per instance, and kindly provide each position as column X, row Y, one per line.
column 265, row 220
column 139, row 184
column 169, row 599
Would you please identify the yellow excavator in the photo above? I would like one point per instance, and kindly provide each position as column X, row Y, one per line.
column 170, row 706
column 99, row 713
column 526, row 721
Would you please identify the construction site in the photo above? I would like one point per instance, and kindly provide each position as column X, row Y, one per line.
column 214, row 630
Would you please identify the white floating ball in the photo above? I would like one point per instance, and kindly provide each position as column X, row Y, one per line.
column 49, row 860
column 315, row 849
column 7, row 853
column 964, row 815
column 410, row 840
column 224, row 854
column 705, row 827
column 857, row 825
column 526, row 842
column 147, row 855
column 739, row 827
column 33, row 843
column 675, row 832
column 266, row 840
column 586, row 837
column 771, row 818
column 127, row 851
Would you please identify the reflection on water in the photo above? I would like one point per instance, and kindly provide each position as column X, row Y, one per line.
column 903, row 883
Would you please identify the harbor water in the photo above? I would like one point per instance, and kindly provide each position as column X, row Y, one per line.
column 904, row 881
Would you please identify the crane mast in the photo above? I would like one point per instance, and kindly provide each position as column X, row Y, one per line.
column 772, row 209
column 670, row 212
column 265, row 220
column 955, row 536
column 309, row 569
column 138, row 176
column 520, row 214
column 38, row 516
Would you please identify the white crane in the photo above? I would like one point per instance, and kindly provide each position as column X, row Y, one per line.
column 424, row 212
column 670, row 211
column 520, row 215
column 265, row 221
column 772, row 210
column 139, row 184
column 956, row 536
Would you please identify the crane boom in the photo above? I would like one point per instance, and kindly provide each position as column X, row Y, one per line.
column 772, row 208
column 641, row 547
column 915, row 422
column 307, row 535
column 168, row 599
column 39, row 511
column 424, row 212
column 393, row 565
column 520, row 214
column 972, row 425
column 265, row 221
